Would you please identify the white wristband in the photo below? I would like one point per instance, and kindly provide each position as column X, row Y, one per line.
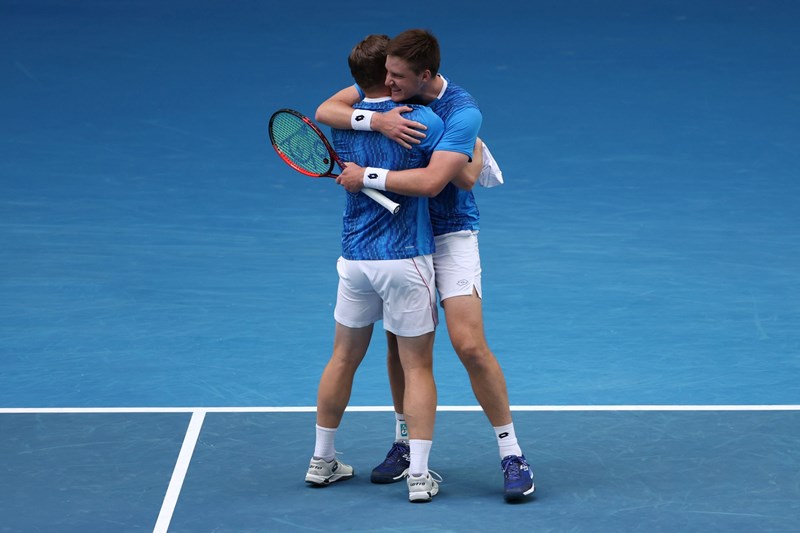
column 375, row 178
column 360, row 119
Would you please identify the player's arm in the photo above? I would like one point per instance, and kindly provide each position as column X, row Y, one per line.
column 337, row 112
column 468, row 176
column 452, row 154
column 429, row 181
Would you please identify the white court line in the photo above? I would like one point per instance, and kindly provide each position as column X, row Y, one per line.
column 388, row 408
column 198, row 415
column 179, row 473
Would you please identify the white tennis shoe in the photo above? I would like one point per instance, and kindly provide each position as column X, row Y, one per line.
column 422, row 489
column 322, row 473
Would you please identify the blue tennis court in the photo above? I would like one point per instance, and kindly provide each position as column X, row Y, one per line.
column 167, row 283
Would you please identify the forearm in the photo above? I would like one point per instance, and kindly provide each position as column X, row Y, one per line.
column 429, row 181
column 337, row 110
column 416, row 182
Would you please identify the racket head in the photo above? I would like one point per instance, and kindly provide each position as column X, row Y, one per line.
column 301, row 144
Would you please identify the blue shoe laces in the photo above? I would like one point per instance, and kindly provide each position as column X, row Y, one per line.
column 511, row 467
column 399, row 449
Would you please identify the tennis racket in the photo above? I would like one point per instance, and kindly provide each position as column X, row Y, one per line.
column 302, row 146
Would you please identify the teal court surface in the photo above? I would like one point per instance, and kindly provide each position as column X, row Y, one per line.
column 167, row 284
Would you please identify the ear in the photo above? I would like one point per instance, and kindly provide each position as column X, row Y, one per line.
column 426, row 76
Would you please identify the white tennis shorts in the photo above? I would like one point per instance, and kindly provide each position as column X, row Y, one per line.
column 399, row 291
column 457, row 262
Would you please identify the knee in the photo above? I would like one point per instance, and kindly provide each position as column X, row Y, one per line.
column 475, row 356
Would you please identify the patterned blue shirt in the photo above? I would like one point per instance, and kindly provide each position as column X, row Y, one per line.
column 369, row 231
column 455, row 209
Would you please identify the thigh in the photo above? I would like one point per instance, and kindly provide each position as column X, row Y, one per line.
column 350, row 344
column 416, row 352
column 464, row 317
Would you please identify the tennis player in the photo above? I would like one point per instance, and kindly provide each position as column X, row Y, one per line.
column 412, row 75
column 385, row 272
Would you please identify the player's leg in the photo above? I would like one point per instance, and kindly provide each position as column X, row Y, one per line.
column 349, row 348
column 358, row 307
column 465, row 325
column 464, row 318
column 396, row 382
column 458, row 279
column 419, row 402
column 407, row 288
column 396, row 463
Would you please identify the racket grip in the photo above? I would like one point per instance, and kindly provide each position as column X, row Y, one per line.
column 393, row 207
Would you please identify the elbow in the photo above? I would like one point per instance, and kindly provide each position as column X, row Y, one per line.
column 433, row 189
column 467, row 185
column 324, row 114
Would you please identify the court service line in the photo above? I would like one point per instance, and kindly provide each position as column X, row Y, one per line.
column 179, row 473
column 388, row 408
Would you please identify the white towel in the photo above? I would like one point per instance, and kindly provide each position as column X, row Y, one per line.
column 490, row 175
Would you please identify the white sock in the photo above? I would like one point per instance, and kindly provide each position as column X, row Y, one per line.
column 324, row 447
column 507, row 440
column 420, row 450
column 400, row 428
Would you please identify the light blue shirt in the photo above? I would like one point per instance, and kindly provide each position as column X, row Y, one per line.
column 455, row 209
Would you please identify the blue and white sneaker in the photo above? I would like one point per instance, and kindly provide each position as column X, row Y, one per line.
column 394, row 467
column 518, row 477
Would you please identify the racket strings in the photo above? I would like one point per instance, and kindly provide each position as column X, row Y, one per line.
column 298, row 142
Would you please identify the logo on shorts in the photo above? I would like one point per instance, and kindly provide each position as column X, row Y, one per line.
column 462, row 282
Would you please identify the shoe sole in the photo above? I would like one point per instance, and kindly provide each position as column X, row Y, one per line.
column 517, row 496
column 423, row 497
column 325, row 481
column 385, row 479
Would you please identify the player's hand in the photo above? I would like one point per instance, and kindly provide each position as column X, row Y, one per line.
column 351, row 178
column 401, row 130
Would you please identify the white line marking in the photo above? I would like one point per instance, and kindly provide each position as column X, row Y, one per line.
column 656, row 408
column 388, row 408
column 179, row 473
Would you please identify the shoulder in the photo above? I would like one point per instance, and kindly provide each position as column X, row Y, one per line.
column 465, row 117
column 423, row 114
column 458, row 95
column 456, row 105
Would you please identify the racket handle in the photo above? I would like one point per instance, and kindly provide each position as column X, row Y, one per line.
column 393, row 207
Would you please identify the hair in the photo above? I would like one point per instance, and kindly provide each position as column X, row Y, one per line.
column 367, row 61
column 419, row 48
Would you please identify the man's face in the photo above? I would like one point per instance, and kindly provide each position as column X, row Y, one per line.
column 402, row 81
